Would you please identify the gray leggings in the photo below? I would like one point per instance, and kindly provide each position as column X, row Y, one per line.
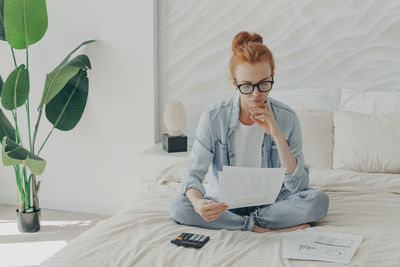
column 302, row 207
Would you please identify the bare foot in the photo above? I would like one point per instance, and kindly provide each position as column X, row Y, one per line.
column 259, row 229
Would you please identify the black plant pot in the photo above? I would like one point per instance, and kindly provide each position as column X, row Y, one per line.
column 28, row 222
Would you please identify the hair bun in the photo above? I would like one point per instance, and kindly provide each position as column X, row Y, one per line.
column 244, row 37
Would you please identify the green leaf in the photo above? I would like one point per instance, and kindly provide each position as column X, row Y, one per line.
column 55, row 81
column 13, row 153
column 6, row 128
column 36, row 166
column 16, row 88
column 1, row 82
column 2, row 33
column 25, row 22
column 65, row 110
column 58, row 78
column 73, row 51
column 81, row 61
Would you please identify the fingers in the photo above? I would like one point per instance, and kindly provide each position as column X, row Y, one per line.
column 253, row 118
column 213, row 206
column 261, row 114
column 212, row 203
column 214, row 215
column 216, row 211
column 211, row 210
column 261, row 117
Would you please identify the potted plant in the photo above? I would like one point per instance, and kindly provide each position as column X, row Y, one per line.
column 23, row 23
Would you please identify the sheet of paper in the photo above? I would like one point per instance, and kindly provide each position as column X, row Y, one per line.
column 244, row 186
column 314, row 245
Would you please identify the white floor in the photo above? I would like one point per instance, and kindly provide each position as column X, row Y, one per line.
column 57, row 229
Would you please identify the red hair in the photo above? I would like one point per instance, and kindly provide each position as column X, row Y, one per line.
column 249, row 48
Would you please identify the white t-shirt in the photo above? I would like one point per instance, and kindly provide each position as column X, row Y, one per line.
column 248, row 141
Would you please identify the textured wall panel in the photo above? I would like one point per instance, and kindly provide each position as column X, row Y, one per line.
column 317, row 44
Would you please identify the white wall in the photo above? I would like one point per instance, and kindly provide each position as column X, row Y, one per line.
column 317, row 44
column 93, row 167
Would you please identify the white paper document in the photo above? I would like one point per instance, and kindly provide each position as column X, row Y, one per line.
column 313, row 245
column 245, row 186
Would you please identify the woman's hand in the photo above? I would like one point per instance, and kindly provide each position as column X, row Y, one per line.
column 268, row 124
column 208, row 209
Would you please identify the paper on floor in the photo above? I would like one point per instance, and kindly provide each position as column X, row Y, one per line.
column 314, row 245
column 245, row 186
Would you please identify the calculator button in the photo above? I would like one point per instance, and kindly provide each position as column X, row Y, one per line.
column 202, row 238
column 193, row 237
column 197, row 238
column 186, row 236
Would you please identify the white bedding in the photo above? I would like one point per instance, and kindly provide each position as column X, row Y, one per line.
column 360, row 203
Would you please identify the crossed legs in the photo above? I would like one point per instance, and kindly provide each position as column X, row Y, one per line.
column 288, row 214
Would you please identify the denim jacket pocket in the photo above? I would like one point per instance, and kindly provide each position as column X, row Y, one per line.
column 220, row 156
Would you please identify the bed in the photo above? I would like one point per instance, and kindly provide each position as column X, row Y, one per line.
column 140, row 235
column 354, row 158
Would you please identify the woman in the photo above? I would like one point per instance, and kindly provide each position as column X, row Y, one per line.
column 249, row 130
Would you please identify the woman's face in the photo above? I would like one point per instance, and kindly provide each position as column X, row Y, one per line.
column 252, row 73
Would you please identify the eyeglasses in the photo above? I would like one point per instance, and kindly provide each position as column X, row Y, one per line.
column 248, row 88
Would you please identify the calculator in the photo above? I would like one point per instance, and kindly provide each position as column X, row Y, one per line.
column 191, row 240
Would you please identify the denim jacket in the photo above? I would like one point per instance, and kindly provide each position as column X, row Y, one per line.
column 215, row 144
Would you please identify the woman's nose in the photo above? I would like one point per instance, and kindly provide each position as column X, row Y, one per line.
column 256, row 91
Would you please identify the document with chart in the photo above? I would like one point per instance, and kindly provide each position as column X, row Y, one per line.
column 314, row 245
column 245, row 186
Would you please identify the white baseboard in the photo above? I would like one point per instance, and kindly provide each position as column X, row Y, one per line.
column 46, row 203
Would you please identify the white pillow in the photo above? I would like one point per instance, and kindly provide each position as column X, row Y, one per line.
column 382, row 101
column 317, row 134
column 367, row 142
column 308, row 98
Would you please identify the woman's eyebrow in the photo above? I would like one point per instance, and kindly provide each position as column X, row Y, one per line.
column 257, row 82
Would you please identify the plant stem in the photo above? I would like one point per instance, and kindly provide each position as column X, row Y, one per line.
column 26, row 32
column 28, row 118
column 45, row 141
column 21, row 194
column 27, row 102
column 36, row 129
column 27, row 190
column 23, row 189
column 27, row 57
column 29, row 124
column 17, row 134
column 12, row 51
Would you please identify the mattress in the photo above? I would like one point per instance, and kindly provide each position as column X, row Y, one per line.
column 367, row 204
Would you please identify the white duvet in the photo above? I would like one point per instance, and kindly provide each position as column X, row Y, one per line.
column 360, row 203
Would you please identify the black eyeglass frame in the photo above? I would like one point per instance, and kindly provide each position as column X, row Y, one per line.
column 254, row 85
